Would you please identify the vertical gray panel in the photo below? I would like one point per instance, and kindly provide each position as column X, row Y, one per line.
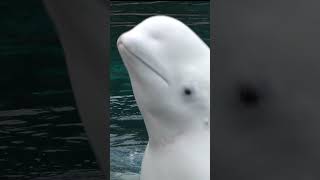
column 266, row 90
column 84, row 33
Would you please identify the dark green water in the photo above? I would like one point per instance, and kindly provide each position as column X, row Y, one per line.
column 40, row 131
column 128, row 134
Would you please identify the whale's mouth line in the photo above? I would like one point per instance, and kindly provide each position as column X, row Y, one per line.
column 145, row 63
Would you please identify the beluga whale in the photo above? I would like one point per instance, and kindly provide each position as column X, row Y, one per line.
column 169, row 70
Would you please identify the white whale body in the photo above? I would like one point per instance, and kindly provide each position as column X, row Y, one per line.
column 169, row 69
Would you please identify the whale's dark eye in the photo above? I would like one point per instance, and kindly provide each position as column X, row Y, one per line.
column 187, row 91
column 249, row 95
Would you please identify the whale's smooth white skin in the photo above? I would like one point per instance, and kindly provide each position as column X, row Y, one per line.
column 169, row 69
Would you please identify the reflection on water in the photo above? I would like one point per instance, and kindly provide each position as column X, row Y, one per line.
column 43, row 142
column 128, row 136
column 128, row 133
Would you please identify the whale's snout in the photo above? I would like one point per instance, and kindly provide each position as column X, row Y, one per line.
column 119, row 41
column 131, row 40
column 151, row 31
column 123, row 39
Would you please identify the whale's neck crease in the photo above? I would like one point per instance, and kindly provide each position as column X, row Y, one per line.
column 161, row 134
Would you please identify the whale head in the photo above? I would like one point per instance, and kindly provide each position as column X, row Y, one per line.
column 169, row 69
